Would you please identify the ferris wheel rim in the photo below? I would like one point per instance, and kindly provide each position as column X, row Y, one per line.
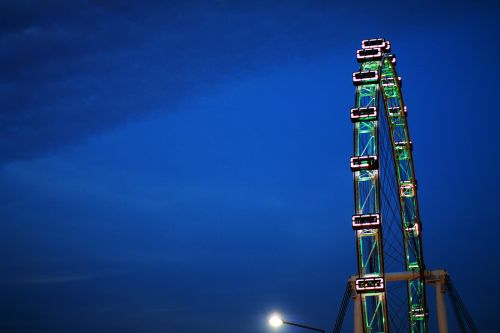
column 370, row 76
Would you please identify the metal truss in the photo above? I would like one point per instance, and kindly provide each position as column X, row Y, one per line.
column 378, row 85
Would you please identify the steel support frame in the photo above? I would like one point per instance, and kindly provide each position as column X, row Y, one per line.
column 434, row 277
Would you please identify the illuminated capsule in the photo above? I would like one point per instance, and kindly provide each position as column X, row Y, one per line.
column 389, row 81
column 418, row 312
column 381, row 43
column 364, row 114
column 395, row 111
column 369, row 54
column 402, row 150
column 365, row 221
column 364, row 77
column 364, row 163
column 392, row 58
column 413, row 230
column 407, row 189
column 370, row 285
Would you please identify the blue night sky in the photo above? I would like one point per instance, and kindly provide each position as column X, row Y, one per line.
column 182, row 166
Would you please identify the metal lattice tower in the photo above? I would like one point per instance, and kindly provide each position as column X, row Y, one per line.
column 378, row 85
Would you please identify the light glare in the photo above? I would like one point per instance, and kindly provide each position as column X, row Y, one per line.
column 275, row 320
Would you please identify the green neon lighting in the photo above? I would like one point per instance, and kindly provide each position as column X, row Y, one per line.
column 387, row 93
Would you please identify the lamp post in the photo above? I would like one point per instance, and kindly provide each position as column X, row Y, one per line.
column 276, row 321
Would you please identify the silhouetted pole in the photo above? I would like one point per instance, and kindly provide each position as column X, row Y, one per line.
column 440, row 305
column 303, row 326
column 358, row 320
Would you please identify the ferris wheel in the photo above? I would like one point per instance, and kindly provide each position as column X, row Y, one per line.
column 389, row 291
column 383, row 169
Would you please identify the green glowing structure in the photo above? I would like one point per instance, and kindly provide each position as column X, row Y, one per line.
column 378, row 85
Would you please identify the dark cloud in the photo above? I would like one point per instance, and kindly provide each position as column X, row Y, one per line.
column 71, row 69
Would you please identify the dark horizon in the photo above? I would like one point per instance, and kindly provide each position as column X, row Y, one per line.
column 184, row 165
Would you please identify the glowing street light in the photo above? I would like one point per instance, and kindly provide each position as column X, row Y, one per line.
column 276, row 321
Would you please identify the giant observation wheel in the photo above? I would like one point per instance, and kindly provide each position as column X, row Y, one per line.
column 385, row 190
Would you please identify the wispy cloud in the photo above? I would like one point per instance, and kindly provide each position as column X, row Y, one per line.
column 71, row 71
column 56, row 279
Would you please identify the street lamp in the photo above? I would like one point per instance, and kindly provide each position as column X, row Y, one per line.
column 276, row 321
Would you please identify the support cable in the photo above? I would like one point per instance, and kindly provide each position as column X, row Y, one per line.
column 343, row 308
column 456, row 310
column 459, row 307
